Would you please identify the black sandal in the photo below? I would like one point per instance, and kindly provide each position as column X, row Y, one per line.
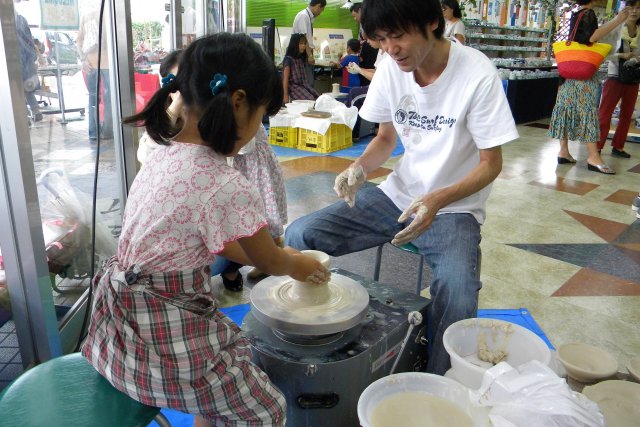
column 233, row 285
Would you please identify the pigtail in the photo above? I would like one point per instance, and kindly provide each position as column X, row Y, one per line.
column 218, row 123
column 154, row 116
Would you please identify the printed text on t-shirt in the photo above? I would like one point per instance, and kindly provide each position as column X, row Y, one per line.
column 415, row 120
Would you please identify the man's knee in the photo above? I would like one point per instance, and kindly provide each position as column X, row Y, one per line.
column 296, row 234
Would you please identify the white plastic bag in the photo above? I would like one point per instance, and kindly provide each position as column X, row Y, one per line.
column 532, row 395
column 66, row 225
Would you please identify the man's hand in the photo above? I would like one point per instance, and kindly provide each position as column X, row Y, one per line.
column 348, row 182
column 353, row 68
column 421, row 222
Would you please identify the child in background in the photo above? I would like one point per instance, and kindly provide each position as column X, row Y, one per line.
column 258, row 163
column 349, row 80
column 294, row 75
column 168, row 65
column 155, row 331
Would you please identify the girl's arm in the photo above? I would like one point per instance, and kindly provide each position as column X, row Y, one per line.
column 261, row 251
column 286, row 72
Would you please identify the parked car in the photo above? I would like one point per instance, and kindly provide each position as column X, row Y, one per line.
column 66, row 42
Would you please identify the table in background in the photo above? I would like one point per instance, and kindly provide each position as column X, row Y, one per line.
column 58, row 71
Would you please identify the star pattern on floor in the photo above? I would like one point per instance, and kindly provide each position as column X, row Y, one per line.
column 608, row 269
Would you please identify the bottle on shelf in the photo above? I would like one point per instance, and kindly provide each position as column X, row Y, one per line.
column 503, row 13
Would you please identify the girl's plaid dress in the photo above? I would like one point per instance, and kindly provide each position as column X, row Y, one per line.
column 155, row 332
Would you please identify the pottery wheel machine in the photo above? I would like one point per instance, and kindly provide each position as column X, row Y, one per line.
column 323, row 356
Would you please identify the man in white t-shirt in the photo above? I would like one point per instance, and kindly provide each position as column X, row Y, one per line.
column 303, row 24
column 447, row 105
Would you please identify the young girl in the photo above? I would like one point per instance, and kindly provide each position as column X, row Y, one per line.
column 155, row 331
column 256, row 162
column 294, row 77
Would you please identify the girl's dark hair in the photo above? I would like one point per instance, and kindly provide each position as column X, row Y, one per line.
column 293, row 48
column 170, row 61
column 453, row 5
column 401, row 15
column 246, row 67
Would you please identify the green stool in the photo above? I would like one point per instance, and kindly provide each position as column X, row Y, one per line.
column 407, row 247
column 68, row 391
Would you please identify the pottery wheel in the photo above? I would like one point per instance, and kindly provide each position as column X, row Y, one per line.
column 340, row 305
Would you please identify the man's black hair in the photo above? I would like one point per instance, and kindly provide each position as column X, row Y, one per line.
column 401, row 16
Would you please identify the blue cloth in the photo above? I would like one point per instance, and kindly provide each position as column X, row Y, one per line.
column 451, row 246
column 236, row 312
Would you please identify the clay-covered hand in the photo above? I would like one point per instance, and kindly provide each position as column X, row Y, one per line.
column 353, row 68
column 309, row 270
column 418, row 225
column 348, row 182
column 319, row 277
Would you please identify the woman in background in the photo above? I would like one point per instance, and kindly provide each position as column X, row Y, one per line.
column 294, row 75
column 614, row 90
column 454, row 27
column 575, row 115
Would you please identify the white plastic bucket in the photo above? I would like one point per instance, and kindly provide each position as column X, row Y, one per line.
column 461, row 340
column 404, row 387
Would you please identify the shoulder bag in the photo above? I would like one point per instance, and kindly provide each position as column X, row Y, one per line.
column 628, row 69
column 576, row 60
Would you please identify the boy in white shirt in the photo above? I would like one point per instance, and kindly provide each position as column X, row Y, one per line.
column 446, row 103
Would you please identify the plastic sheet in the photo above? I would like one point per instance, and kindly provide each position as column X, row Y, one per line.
column 532, row 395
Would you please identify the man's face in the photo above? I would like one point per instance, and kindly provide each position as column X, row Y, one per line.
column 409, row 49
column 317, row 9
column 356, row 16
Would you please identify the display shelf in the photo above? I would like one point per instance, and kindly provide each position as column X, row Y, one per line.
column 497, row 48
column 506, row 37
column 507, row 42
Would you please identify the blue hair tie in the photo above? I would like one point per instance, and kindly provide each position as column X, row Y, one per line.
column 217, row 83
column 166, row 80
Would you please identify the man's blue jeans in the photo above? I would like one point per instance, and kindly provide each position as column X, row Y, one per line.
column 451, row 246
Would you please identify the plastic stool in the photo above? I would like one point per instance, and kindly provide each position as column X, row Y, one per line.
column 407, row 247
column 68, row 391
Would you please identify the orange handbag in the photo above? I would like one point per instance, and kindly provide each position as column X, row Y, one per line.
column 576, row 60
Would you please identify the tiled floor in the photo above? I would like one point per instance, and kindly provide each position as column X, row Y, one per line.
column 559, row 240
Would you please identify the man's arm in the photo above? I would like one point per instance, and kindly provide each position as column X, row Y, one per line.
column 427, row 206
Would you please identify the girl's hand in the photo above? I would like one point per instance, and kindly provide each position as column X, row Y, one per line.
column 309, row 270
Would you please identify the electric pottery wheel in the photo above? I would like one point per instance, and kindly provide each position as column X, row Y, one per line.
column 299, row 309
column 322, row 345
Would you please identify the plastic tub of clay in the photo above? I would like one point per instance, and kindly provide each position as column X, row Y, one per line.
column 417, row 399
column 475, row 345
